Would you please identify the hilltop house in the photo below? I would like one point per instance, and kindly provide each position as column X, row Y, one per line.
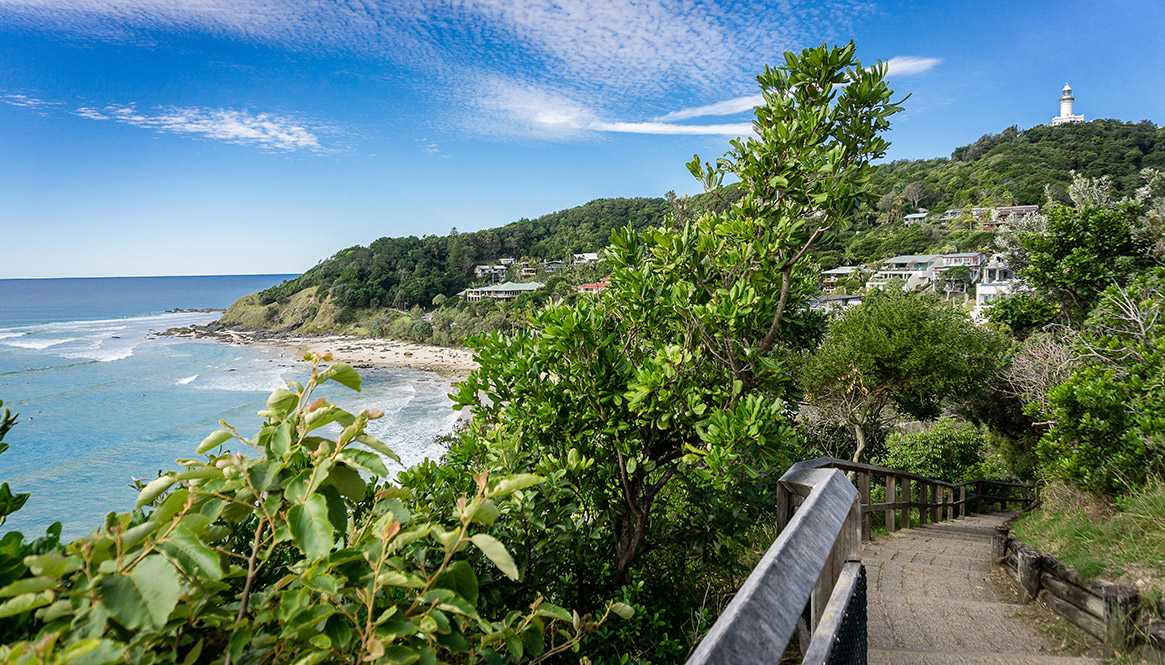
column 506, row 291
column 551, row 267
column 585, row 257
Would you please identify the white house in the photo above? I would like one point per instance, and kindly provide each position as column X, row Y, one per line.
column 998, row 281
column 915, row 271
column 506, row 291
column 831, row 278
column 834, row 302
column 585, row 257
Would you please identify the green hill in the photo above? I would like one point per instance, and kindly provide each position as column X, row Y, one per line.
column 403, row 272
column 1013, row 167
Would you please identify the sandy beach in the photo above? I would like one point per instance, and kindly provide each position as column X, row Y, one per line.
column 356, row 351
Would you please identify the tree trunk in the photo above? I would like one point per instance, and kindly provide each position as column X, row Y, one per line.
column 860, row 435
column 629, row 539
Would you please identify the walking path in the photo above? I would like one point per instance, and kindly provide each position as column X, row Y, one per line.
column 930, row 601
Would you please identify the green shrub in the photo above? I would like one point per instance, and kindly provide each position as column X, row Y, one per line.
column 952, row 450
column 286, row 556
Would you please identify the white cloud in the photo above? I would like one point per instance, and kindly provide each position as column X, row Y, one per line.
column 267, row 131
column 897, row 66
column 730, row 129
column 905, row 65
column 726, row 107
column 644, row 44
column 516, row 108
column 25, row 101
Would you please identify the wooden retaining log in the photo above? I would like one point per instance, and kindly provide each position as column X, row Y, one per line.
column 1083, row 599
column 1080, row 618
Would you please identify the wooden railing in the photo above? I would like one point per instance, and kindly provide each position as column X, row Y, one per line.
column 909, row 499
column 811, row 580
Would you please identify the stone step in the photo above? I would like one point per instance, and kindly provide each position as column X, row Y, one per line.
column 915, row 657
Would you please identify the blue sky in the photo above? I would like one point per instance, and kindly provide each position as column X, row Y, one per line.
column 147, row 137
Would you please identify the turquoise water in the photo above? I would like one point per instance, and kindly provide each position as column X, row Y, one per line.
column 103, row 400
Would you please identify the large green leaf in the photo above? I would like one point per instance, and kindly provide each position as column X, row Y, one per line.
column 343, row 374
column 496, row 552
column 348, row 481
column 365, row 461
column 310, row 526
column 191, row 554
column 145, row 597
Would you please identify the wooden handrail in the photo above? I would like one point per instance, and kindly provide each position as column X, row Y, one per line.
column 938, row 497
column 815, row 561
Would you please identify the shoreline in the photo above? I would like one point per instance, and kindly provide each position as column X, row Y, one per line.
column 360, row 352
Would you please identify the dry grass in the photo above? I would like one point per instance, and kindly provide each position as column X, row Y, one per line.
column 1123, row 542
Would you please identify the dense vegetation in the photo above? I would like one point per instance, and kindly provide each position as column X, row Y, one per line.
column 404, row 272
column 624, row 446
column 1014, row 167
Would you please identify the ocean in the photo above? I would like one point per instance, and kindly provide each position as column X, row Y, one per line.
column 103, row 400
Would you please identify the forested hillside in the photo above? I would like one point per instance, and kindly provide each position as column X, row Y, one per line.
column 1013, row 167
column 402, row 272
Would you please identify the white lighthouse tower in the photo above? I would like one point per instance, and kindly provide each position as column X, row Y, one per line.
column 1066, row 100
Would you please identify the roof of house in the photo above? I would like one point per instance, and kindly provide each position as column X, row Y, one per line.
column 829, row 297
column 513, row 286
column 842, row 270
column 912, row 258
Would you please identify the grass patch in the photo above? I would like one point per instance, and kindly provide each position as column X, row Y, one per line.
column 1123, row 541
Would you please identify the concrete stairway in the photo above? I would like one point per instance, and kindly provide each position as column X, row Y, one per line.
column 930, row 601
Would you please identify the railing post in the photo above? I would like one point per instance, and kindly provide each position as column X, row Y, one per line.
column 1026, row 501
column 923, row 504
column 863, row 502
column 891, row 499
column 906, row 499
column 950, row 491
column 963, row 501
column 936, row 503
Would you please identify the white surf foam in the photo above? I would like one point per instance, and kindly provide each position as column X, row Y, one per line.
column 101, row 355
column 187, row 380
column 36, row 343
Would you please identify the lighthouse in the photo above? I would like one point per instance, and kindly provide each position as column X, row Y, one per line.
column 1066, row 100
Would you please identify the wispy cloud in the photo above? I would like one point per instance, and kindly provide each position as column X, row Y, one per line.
column 729, row 129
column 526, row 110
column 581, row 62
column 646, row 44
column 897, row 66
column 726, row 107
column 25, row 101
column 271, row 132
column 905, row 65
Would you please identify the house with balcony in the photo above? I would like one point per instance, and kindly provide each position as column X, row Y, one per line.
column 831, row 280
column 834, row 302
column 596, row 287
column 910, row 271
column 493, row 273
column 504, row 292
column 998, row 281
